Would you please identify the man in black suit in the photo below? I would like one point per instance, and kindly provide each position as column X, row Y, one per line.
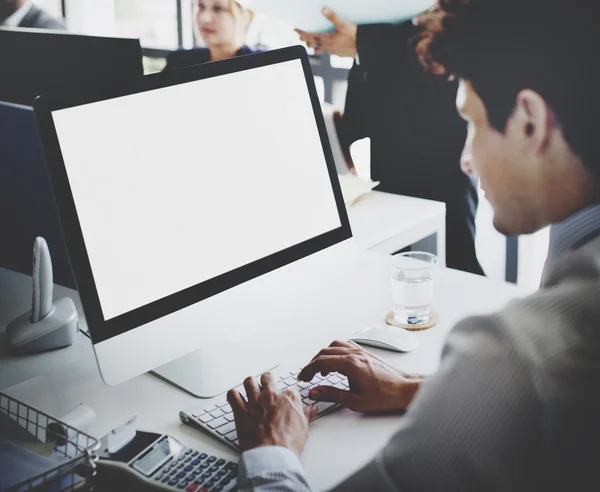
column 411, row 119
column 23, row 13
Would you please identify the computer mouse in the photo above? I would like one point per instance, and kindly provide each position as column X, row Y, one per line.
column 387, row 337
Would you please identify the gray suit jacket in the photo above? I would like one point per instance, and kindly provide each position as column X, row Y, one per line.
column 515, row 405
column 38, row 19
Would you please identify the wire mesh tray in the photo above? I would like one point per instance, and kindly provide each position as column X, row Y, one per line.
column 57, row 456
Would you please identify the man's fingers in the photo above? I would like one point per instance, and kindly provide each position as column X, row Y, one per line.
column 269, row 388
column 337, row 21
column 310, row 411
column 236, row 400
column 326, row 364
column 332, row 394
column 252, row 391
column 343, row 343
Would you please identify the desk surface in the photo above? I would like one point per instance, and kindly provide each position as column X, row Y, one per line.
column 382, row 221
column 157, row 403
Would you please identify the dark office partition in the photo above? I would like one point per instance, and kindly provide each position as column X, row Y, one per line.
column 27, row 207
column 35, row 62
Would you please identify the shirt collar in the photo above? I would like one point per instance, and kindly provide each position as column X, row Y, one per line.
column 17, row 16
column 574, row 231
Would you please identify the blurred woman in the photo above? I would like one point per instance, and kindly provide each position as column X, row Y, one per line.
column 223, row 25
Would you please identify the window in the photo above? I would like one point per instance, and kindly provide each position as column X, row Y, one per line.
column 153, row 21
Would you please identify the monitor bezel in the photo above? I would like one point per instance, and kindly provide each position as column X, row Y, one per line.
column 102, row 329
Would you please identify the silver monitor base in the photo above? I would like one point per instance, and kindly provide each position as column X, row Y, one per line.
column 214, row 369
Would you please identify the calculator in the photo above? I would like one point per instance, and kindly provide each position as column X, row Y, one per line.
column 153, row 461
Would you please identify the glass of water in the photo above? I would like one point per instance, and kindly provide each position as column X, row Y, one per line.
column 412, row 290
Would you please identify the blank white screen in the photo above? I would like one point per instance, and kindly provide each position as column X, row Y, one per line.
column 178, row 185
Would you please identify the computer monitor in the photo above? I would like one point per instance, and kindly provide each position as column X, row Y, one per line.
column 27, row 208
column 38, row 62
column 196, row 210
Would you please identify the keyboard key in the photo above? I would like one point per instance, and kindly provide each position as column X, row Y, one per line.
column 207, row 417
column 229, row 417
column 226, row 429
column 217, row 413
column 217, row 423
column 210, row 409
column 221, row 405
column 324, row 405
column 227, row 408
column 232, row 436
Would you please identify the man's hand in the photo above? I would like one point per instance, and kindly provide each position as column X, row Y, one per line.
column 374, row 385
column 270, row 417
column 341, row 42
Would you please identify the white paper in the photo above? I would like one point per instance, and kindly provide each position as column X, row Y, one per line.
column 306, row 14
column 354, row 187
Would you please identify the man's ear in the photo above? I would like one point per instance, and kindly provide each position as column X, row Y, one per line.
column 533, row 120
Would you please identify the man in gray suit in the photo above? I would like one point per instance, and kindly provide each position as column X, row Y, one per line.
column 515, row 405
column 23, row 13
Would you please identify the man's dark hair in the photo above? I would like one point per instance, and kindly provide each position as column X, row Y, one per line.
column 505, row 46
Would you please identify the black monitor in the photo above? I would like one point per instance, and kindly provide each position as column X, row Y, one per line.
column 36, row 62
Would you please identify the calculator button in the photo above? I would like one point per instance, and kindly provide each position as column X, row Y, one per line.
column 194, row 454
column 221, row 462
column 166, row 479
column 181, row 475
column 222, row 472
column 218, row 488
column 188, row 468
column 187, row 460
column 206, row 464
column 175, row 481
column 232, row 466
column 202, row 456
column 182, row 485
column 192, row 487
column 213, row 468
column 195, row 462
column 212, row 459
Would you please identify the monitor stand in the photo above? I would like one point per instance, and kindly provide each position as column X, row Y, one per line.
column 214, row 369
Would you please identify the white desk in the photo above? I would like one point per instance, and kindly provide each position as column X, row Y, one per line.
column 157, row 403
column 386, row 223
column 381, row 222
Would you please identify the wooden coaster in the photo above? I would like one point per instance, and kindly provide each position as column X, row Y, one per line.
column 391, row 320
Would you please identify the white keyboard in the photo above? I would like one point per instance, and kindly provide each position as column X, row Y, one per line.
column 216, row 418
